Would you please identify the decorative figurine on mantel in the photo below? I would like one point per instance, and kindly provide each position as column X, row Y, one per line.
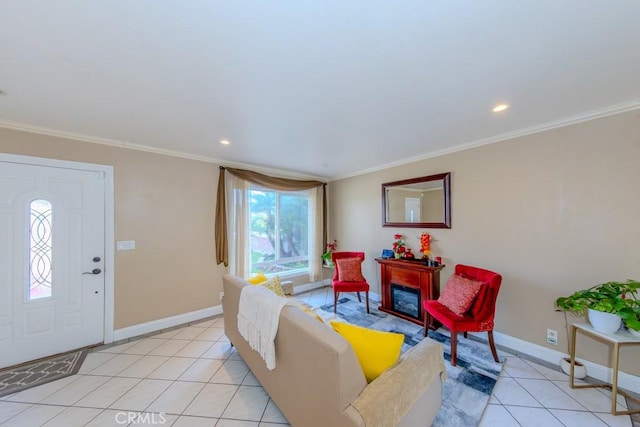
column 408, row 254
column 425, row 245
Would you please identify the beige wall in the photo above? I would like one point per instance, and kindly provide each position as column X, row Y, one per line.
column 552, row 212
column 167, row 205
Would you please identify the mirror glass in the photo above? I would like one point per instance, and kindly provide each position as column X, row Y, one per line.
column 423, row 202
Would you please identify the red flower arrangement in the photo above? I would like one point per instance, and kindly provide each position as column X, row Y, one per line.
column 399, row 246
column 331, row 246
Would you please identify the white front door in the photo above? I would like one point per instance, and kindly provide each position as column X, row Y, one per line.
column 52, row 246
column 411, row 209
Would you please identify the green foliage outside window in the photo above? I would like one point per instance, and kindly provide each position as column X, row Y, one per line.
column 279, row 230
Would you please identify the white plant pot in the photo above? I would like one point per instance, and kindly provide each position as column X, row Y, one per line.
column 634, row 333
column 604, row 322
column 579, row 371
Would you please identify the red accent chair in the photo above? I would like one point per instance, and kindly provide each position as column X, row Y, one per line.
column 339, row 286
column 479, row 317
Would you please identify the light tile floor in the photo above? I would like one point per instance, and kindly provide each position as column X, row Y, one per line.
column 191, row 376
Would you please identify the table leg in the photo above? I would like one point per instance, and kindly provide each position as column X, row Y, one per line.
column 614, row 388
column 572, row 355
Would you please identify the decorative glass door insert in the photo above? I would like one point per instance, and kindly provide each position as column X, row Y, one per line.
column 40, row 245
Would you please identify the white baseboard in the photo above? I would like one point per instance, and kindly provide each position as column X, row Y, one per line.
column 167, row 322
column 181, row 319
column 373, row 296
column 308, row 287
column 603, row 373
column 594, row 370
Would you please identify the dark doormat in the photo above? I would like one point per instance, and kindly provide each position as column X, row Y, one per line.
column 21, row 377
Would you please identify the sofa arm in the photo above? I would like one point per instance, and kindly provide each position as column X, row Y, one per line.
column 399, row 388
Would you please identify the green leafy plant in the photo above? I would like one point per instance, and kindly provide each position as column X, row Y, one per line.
column 331, row 246
column 611, row 297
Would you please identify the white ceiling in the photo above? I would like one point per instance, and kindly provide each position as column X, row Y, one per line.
column 326, row 88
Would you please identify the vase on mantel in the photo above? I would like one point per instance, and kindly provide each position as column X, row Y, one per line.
column 408, row 255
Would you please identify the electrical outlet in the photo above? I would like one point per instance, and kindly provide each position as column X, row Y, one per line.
column 221, row 295
column 552, row 337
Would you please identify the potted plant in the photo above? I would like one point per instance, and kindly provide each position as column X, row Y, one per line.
column 326, row 257
column 618, row 299
column 399, row 246
column 633, row 323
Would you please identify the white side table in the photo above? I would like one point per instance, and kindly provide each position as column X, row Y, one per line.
column 616, row 340
column 329, row 269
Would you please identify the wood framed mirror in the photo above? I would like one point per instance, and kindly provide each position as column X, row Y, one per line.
column 423, row 202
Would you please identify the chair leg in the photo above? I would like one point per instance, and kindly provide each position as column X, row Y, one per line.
column 454, row 348
column 493, row 346
column 465, row 334
column 335, row 301
column 359, row 299
column 367, row 297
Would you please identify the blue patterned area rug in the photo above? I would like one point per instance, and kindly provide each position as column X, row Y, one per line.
column 22, row 377
column 468, row 386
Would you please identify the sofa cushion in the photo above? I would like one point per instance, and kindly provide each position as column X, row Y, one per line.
column 459, row 294
column 273, row 284
column 350, row 270
column 376, row 351
column 259, row 277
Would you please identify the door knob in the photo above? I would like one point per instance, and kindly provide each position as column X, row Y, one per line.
column 94, row 271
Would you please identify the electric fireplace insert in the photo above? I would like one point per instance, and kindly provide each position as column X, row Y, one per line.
column 406, row 300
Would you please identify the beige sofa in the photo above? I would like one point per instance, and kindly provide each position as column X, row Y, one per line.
column 318, row 381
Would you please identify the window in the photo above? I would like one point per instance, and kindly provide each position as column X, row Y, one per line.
column 40, row 249
column 271, row 224
column 279, row 231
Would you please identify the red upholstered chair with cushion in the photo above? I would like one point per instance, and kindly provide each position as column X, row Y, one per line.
column 347, row 276
column 467, row 304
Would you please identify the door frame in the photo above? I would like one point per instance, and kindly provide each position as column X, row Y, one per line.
column 107, row 171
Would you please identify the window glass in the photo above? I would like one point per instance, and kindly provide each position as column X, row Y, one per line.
column 40, row 249
column 279, row 231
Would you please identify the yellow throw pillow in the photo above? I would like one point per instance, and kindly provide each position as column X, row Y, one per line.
column 377, row 351
column 273, row 284
column 258, row 278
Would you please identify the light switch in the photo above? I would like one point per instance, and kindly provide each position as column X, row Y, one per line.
column 126, row 245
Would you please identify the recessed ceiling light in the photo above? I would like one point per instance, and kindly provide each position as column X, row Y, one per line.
column 500, row 107
column 224, row 142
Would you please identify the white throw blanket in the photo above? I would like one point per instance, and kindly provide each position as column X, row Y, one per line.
column 258, row 319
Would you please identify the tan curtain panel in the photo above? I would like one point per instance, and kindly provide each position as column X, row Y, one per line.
column 275, row 183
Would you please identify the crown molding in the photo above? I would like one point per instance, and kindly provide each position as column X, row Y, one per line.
column 579, row 118
column 24, row 127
